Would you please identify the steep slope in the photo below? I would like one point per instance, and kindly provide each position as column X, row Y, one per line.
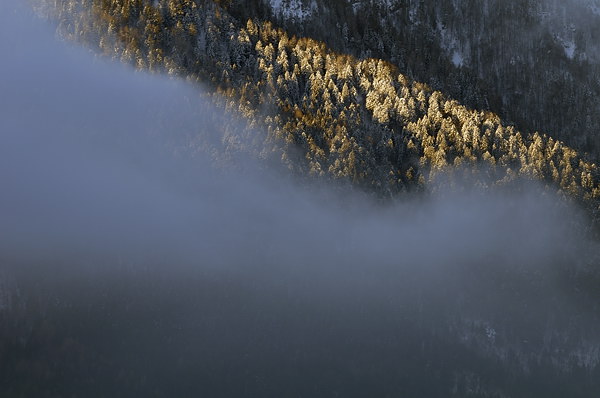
column 535, row 63
column 327, row 114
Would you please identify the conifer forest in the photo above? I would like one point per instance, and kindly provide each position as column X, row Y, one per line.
column 300, row 198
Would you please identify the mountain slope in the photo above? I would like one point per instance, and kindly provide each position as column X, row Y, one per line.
column 535, row 63
column 128, row 271
column 327, row 114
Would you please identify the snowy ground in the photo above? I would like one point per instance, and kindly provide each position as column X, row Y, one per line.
column 293, row 9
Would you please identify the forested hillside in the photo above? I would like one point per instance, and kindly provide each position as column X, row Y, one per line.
column 533, row 62
column 293, row 198
column 328, row 114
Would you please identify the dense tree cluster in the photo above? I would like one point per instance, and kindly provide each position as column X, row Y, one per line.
column 327, row 114
column 534, row 63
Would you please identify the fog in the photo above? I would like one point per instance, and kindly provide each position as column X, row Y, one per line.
column 130, row 268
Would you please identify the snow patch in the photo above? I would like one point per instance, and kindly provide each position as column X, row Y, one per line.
column 457, row 59
column 412, row 15
column 451, row 46
column 594, row 8
column 293, row 9
column 568, row 45
column 569, row 49
column 386, row 3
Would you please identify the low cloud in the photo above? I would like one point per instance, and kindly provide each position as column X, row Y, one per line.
column 89, row 189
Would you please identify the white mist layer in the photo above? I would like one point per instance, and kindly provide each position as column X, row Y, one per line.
column 85, row 175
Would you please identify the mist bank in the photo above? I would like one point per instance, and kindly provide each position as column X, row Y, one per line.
column 131, row 268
